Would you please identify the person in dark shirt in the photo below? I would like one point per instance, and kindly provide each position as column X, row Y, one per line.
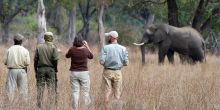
column 45, row 65
column 79, row 76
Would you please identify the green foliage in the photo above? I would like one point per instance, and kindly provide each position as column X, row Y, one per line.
column 11, row 6
column 216, row 25
column 186, row 11
column 127, row 34
column 51, row 29
column 160, row 12
column 24, row 23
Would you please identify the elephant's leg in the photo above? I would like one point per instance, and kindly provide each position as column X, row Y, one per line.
column 162, row 54
column 161, row 57
column 170, row 56
column 196, row 55
column 163, row 50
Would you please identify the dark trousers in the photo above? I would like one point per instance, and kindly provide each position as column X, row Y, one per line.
column 46, row 76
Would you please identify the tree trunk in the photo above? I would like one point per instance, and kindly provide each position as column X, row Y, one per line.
column 59, row 20
column 41, row 22
column 198, row 18
column 209, row 20
column 55, row 16
column 6, row 33
column 101, row 28
column 86, row 13
column 72, row 25
column 150, row 19
column 173, row 13
column 1, row 10
column 85, row 29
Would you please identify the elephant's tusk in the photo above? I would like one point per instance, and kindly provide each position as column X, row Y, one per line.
column 138, row 44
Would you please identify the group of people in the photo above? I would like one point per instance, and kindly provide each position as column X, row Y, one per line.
column 113, row 57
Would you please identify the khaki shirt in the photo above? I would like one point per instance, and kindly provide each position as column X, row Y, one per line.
column 45, row 54
column 17, row 57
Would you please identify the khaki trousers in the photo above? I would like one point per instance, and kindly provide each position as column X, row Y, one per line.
column 46, row 76
column 78, row 79
column 17, row 78
column 112, row 81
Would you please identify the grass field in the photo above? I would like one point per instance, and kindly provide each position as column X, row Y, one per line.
column 149, row 87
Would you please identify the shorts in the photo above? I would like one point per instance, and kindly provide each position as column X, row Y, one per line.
column 112, row 81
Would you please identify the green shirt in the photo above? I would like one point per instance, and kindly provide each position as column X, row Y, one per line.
column 45, row 54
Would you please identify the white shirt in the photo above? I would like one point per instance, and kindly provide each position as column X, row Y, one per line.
column 17, row 57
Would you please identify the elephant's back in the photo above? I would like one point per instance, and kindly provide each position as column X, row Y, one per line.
column 189, row 33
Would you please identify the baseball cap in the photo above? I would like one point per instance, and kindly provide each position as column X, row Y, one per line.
column 112, row 34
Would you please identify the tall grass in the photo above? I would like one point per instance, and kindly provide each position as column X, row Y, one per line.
column 148, row 87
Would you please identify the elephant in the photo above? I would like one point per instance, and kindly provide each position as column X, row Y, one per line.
column 185, row 40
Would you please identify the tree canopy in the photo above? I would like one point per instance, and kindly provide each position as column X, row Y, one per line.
column 129, row 17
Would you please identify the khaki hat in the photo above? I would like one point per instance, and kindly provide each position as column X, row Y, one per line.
column 18, row 37
column 113, row 34
column 48, row 34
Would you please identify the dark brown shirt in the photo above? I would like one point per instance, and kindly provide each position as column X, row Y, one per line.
column 79, row 58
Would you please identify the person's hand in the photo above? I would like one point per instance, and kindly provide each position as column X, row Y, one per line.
column 125, row 64
column 101, row 62
column 85, row 44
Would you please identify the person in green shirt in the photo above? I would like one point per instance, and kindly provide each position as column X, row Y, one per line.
column 45, row 64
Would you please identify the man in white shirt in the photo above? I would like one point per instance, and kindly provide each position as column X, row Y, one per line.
column 17, row 59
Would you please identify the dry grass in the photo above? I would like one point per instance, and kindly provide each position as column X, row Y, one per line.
column 149, row 87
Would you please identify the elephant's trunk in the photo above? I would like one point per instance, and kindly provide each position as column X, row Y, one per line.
column 143, row 54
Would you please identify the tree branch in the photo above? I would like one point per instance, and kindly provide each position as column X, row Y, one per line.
column 93, row 11
column 1, row 10
column 215, row 13
column 17, row 11
column 81, row 10
column 135, row 16
column 88, row 8
column 149, row 1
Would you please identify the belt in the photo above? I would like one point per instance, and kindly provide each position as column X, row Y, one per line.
column 112, row 69
column 18, row 68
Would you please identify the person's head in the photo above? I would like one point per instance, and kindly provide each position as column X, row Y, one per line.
column 48, row 37
column 78, row 41
column 18, row 38
column 112, row 36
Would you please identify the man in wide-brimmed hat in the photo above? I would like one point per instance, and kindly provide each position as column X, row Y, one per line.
column 45, row 64
column 17, row 59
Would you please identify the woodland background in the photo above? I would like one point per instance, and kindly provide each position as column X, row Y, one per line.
column 150, row 87
column 91, row 18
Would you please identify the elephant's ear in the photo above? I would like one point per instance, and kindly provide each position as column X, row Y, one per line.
column 159, row 35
